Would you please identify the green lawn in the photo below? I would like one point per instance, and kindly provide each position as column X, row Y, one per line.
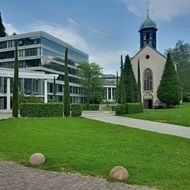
column 91, row 147
column 178, row 116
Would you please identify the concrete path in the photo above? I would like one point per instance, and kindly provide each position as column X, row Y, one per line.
column 158, row 127
column 16, row 177
column 4, row 114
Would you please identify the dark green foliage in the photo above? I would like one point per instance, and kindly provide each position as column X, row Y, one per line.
column 90, row 107
column 139, row 80
column 129, row 108
column 122, row 84
column 54, row 89
column 66, row 87
column 91, row 80
column 170, row 89
column 131, row 88
column 120, row 109
column 41, row 110
column 186, row 98
column 2, row 28
column 134, row 108
column 181, row 58
column 30, row 99
column 117, row 89
column 76, row 110
column 15, row 83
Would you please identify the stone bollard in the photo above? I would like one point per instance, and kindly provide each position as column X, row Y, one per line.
column 37, row 159
column 119, row 173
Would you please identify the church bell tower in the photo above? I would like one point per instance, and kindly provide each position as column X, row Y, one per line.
column 148, row 32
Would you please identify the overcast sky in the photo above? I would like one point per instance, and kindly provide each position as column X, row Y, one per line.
column 102, row 28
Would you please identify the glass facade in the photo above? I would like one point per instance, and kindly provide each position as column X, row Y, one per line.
column 42, row 50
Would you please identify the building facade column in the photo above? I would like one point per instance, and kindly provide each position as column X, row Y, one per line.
column 111, row 94
column 45, row 91
column 106, row 93
column 8, row 94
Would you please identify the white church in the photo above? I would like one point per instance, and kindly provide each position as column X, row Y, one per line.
column 151, row 63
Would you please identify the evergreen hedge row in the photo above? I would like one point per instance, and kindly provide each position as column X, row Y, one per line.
column 41, row 110
column 91, row 107
column 128, row 108
column 76, row 110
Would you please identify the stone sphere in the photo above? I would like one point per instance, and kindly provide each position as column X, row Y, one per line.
column 37, row 159
column 119, row 173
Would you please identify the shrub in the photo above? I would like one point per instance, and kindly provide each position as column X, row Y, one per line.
column 93, row 106
column 76, row 110
column 134, row 108
column 30, row 99
column 84, row 107
column 120, row 109
column 186, row 98
column 41, row 110
column 128, row 108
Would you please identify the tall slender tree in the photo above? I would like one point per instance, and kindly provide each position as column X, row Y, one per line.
column 139, row 81
column 54, row 89
column 15, row 82
column 117, row 88
column 170, row 88
column 2, row 28
column 131, row 88
column 66, row 88
column 122, row 84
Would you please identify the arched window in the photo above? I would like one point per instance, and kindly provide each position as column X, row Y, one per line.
column 148, row 80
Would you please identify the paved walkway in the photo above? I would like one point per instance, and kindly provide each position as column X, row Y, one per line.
column 17, row 177
column 4, row 114
column 158, row 127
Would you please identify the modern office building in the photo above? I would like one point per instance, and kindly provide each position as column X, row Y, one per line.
column 41, row 58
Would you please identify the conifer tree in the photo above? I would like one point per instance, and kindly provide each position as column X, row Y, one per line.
column 139, row 81
column 122, row 84
column 66, row 88
column 15, row 83
column 170, row 89
column 54, row 89
column 2, row 28
column 131, row 88
column 117, row 88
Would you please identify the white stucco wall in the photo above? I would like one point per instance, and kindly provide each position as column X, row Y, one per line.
column 156, row 63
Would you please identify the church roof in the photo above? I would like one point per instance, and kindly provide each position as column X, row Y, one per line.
column 148, row 23
column 144, row 48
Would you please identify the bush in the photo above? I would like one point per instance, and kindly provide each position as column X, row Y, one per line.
column 120, row 109
column 30, row 99
column 76, row 110
column 41, row 110
column 186, row 98
column 128, row 108
column 91, row 107
column 134, row 108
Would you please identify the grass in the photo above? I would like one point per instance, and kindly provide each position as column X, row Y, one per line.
column 93, row 148
column 178, row 116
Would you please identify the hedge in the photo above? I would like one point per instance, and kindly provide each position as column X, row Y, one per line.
column 128, row 108
column 91, row 107
column 41, row 110
column 134, row 108
column 120, row 109
column 76, row 110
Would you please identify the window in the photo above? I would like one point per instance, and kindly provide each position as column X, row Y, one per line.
column 148, row 80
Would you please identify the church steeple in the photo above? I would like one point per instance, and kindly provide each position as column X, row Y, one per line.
column 148, row 32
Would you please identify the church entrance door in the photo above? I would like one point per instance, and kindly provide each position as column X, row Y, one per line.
column 148, row 101
column 148, row 104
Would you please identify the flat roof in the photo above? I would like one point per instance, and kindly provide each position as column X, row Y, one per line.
column 26, row 73
column 41, row 33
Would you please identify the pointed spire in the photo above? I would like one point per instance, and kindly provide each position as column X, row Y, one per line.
column 147, row 15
